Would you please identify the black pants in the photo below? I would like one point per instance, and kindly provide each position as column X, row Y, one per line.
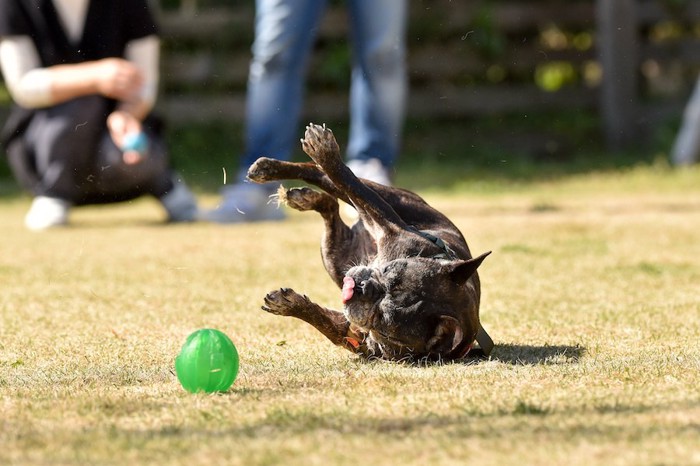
column 66, row 153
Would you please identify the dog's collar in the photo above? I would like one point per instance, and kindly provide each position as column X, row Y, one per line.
column 447, row 252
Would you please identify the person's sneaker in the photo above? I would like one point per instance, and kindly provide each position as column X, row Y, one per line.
column 47, row 212
column 180, row 203
column 370, row 169
column 245, row 202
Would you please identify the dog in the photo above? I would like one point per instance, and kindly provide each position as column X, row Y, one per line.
column 409, row 284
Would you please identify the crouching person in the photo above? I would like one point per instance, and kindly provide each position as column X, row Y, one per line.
column 83, row 75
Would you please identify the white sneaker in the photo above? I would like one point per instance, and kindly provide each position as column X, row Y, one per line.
column 47, row 212
column 180, row 203
column 245, row 202
column 370, row 169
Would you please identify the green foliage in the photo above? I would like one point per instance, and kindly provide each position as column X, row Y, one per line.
column 488, row 40
column 554, row 75
column 5, row 98
column 334, row 69
column 676, row 5
column 202, row 4
column 204, row 155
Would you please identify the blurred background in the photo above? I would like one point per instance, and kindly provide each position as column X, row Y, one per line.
column 505, row 90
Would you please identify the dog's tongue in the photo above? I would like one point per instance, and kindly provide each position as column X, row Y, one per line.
column 348, row 289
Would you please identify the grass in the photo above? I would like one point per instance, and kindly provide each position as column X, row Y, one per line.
column 590, row 295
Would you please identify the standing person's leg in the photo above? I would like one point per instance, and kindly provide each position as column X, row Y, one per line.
column 686, row 148
column 284, row 35
column 379, row 84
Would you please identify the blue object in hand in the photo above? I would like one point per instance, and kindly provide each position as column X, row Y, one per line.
column 135, row 141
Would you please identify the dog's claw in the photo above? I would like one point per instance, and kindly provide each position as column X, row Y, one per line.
column 320, row 144
column 283, row 302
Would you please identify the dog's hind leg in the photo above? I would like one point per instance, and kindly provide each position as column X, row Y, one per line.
column 303, row 199
column 341, row 246
column 377, row 214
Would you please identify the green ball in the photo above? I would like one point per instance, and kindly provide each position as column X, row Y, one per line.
column 208, row 362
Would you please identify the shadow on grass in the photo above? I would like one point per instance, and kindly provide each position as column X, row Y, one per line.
column 520, row 355
column 528, row 355
column 517, row 355
column 476, row 420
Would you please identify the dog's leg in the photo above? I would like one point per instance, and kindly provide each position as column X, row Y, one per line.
column 333, row 324
column 320, row 144
column 340, row 244
column 407, row 204
column 265, row 170
column 303, row 199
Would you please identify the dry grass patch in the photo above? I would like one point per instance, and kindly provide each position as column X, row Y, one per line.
column 591, row 296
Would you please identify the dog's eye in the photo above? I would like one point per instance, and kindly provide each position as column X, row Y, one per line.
column 386, row 269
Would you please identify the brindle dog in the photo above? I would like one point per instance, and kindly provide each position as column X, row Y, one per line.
column 409, row 283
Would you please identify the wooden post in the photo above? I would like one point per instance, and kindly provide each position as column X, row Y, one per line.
column 617, row 46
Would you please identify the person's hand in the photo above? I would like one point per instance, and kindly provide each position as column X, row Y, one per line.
column 118, row 79
column 120, row 124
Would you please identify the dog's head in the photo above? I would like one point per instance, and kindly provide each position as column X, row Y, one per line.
column 414, row 307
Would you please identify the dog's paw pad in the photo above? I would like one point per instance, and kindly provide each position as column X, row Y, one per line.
column 281, row 302
column 263, row 170
column 302, row 199
column 320, row 144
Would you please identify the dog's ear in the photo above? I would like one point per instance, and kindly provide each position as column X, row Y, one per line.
column 448, row 335
column 460, row 271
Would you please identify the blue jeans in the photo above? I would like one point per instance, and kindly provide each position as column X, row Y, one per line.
column 284, row 36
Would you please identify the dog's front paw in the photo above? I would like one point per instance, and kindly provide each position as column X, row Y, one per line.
column 284, row 302
column 320, row 144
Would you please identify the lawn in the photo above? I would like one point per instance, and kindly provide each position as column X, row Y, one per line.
column 591, row 295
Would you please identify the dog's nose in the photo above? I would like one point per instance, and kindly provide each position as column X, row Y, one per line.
column 370, row 289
